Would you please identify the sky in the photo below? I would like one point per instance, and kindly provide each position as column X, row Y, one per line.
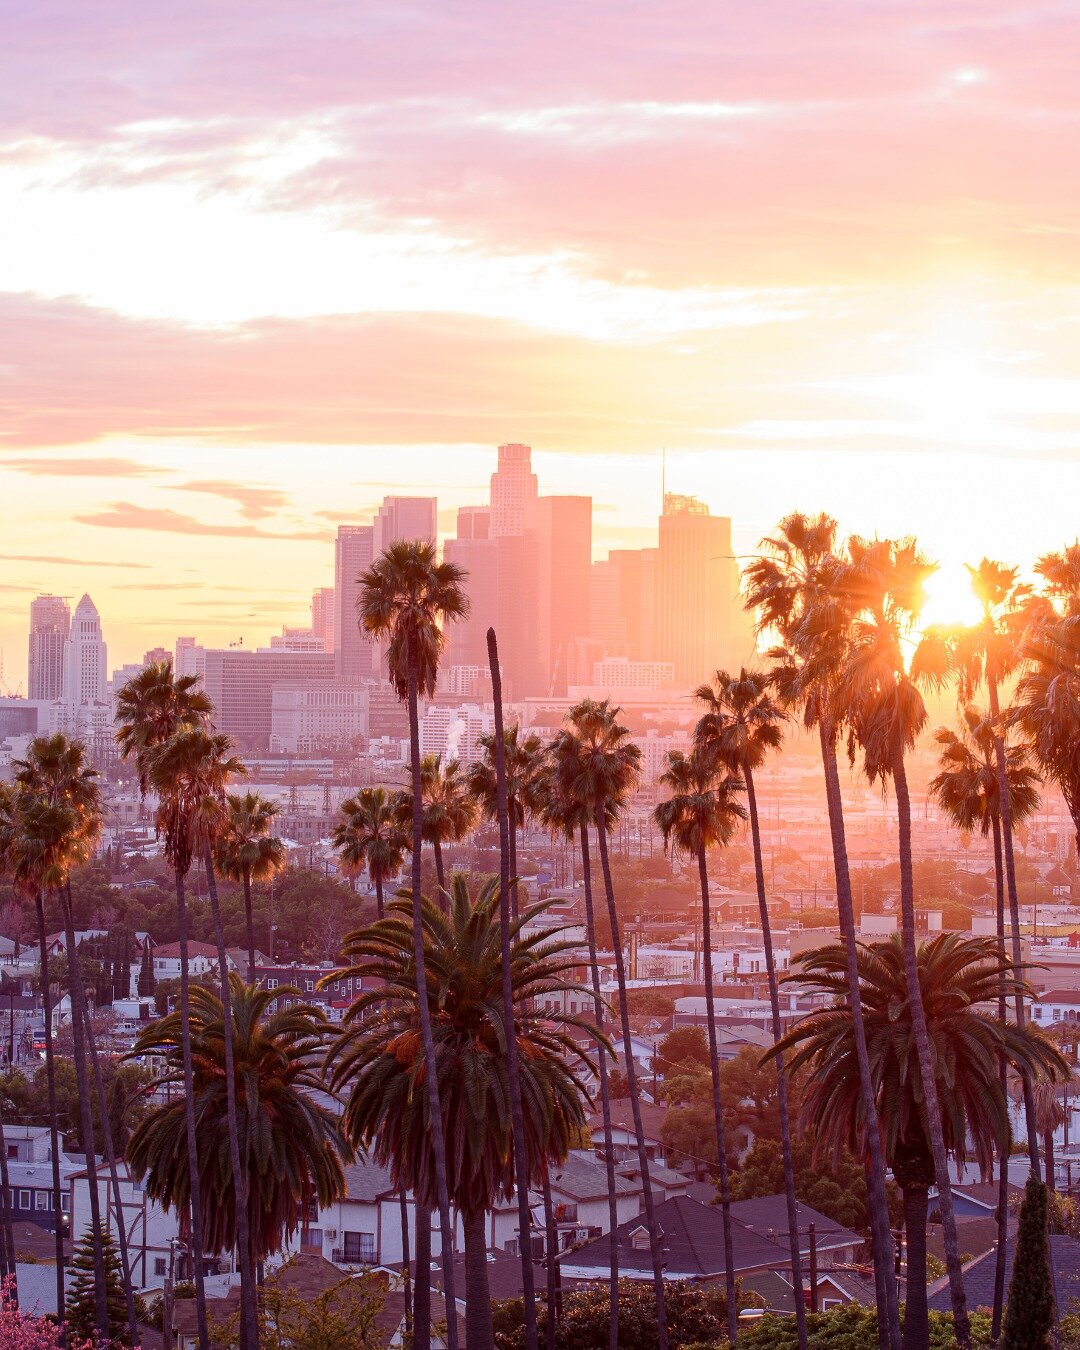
column 262, row 263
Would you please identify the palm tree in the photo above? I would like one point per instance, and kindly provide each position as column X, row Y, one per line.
column 379, row 1061
column 294, row 1149
column 787, row 586
column 564, row 814
column 370, row 836
column 8, row 1265
column 600, row 766
column 1046, row 707
column 967, row 792
column 524, row 754
column 406, row 595
column 883, row 582
column 1049, row 1115
column 1061, row 573
column 151, row 708
column 703, row 812
column 190, row 773
column 55, row 771
column 246, row 851
column 956, row 977
column 450, row 811
column 990, row 652
column 741, row 725
column 31, row 833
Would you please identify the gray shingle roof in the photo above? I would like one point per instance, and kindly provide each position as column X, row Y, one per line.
column 979, row 1276
column 366, row 1181
column 583, row 1176
column 767, row 1215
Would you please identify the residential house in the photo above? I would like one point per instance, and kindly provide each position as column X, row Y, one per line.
column 623, row 1134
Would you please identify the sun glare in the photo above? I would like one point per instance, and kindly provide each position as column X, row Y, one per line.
column 949, row 599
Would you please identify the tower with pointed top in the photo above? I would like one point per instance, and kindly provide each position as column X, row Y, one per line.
column 85, row 657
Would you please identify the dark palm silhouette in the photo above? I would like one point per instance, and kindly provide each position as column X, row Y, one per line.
column 370, row 835
column 247, row 851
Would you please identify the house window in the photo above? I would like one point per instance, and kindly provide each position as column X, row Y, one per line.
column 360, row 1247
column 44, row 1200
column 65, row 1202
column 314, row 1237
column 271, row 984
column 159, row 1265
column 309, row 985
column 13, row 1150
column 25, row 1200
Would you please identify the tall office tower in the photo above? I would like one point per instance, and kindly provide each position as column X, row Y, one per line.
column 405, row 518
column 84, row 657
column 700, row 622
column 322, row 615
column 241, row 682
column 555, row 590
column 623, row 602
column 354, row 553
column 478, row 555
column 189, row 658
column 513, row 490
column 50, row 623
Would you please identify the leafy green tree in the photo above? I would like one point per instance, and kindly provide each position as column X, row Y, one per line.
column 836, row 1186
column 682, row 1047
column 97, row 1245
column 345, row 1315
column 1029, row 1313
column 852, row 1327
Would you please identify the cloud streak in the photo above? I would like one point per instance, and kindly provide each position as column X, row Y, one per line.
column 129, row 516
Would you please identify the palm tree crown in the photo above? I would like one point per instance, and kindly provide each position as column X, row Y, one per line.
column 404, row 595
column 292, row 1149
column 190, row 773
column 703, row 811
column 598, row 764
column 371, row 834
column 151, row 707
column 523, row 753
column 967, row 785
column 245, row 846
column 742, row 722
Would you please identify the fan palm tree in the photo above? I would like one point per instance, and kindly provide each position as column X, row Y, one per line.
column 966, row 789
column 989, row 652
column 246, row 851
column 1049, row 1116
column 32, row 833
column 878, row 692
column 406, row 596
column 293, row 1149
column 524, row 754
column 703, row 812
column 785, row 586
column 956, row 976
column 378, row 1062
column 599, row 767
column 8, row 1264
column 190, row 773
column 742, row 724
column 370, row 835
column 1046, row 707
column 55, row 771
column 450, row 810
column 151, row 708
column 1061, row 573
column 562, row 813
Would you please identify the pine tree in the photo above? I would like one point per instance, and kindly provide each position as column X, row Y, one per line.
column 146, row 971
column 1029, row 1314
column 80, row 1296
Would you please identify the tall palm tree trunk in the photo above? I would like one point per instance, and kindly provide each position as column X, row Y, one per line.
column 1002, row 1214
column 249, row 922
column 1005, row 810
column 80, row 1019
column 632, row 1088
column 114, row 1179
column 194, row 1185
column 403, row 1205
column 422, row 1283
column 880, row 1233
column 440, row 875
column 249, row 1303
column 794, row 1245
column 513, row 1072
column 438, row 1137
column 50, row 1078
column 915, row 1311
column 717, row 1101
column 605, row 1093
column 8, row 1266
column 925, row 1055
column 378, row 895
column 479, row 1327
column 551, row 1242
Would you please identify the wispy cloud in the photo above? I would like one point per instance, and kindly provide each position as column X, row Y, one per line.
column 129, row 516
column 55, row 561
column 74, row 467
column 256, row 503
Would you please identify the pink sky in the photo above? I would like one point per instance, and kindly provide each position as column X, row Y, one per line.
column 265, row 262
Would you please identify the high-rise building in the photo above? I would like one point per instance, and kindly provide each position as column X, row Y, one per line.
column 405, row 518
column 84, row 658
column 474, row 522
column 50, row 623
column 514, row 490
column 700, row 622
column 478, row 555
column 189, row 658
column 555, row 590
column 354, row 553
column 322, row 615
column 241, row 682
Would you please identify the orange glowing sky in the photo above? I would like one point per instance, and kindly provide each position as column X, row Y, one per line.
column 262, row 265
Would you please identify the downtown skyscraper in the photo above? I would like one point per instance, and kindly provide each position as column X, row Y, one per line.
column 50, row 623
